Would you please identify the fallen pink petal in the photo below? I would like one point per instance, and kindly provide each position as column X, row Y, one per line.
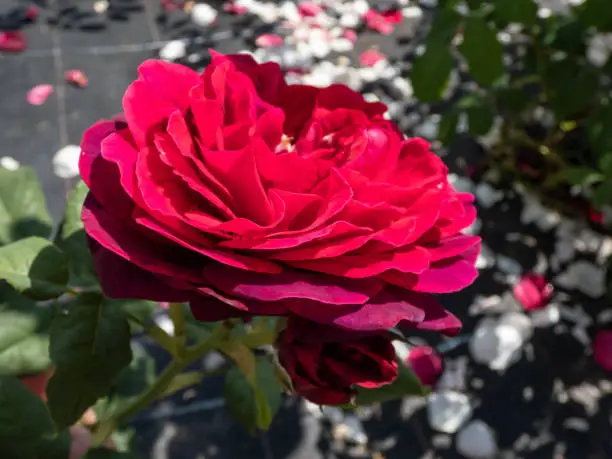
column 426, row 364
column 371, row 57
column 269, row 40
column 38, row 94
column 77, row 78
column 309, row 9
column 232, row 8
column 533, row 291
column 13, row 41
column 383, row 23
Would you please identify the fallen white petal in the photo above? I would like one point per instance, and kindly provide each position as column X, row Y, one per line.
column 203, row 15
column 448, row 410
column 173, row 50
column 476, row 441
column 9, row 163
column 66, row 162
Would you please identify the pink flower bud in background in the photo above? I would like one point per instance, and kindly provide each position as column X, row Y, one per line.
column 32, row 13
column 533, row 291
column 13, row 41
column 595, row 216
column 77, row 78
column 602, row 349
column 39, row 94
column 426, row 364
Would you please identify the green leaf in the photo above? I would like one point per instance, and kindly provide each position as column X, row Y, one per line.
column 582, row 175
column 134, row 379
column 90, row 345
column 510, row 100
column 598, row 127
column 605, row 164
column 568, row 36
column 571, row 88
column 141, row 309
column 23, row 211
column 595, row 13
column 183, row 381
column 520, row 11
column 482, row 51
column 479, row 113
column 405, row 384
column 26, row 430
column 24, row 338
column 444, row 27
column 448, row 127
column 603, row 194
column 431, row 72
column 34, row 267
column 73, row 241
column 253, row 404
column 105, row 453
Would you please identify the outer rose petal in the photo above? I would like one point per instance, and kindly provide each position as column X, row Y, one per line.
column 161, row 88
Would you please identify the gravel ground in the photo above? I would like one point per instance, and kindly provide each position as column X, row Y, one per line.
column 516, row 384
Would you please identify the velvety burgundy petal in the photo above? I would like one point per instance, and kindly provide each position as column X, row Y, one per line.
column 382, row 312
column 410, row 260
column 449, row 275
column 452, row 246
column 113, row 270
column 291, row 285
column 91, row 145
column 202, row 246
column 121, row 239
column 212, row 310
column 437, row 318
column 161, row 89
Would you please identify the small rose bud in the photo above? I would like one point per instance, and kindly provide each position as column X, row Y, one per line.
column 426, row 364
column 77, row 78
column 602, row 349
column 533, row 291
column 39, row 94
column 31, row 13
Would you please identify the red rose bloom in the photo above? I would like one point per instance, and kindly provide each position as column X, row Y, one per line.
column 325, row 363
column 243, row 195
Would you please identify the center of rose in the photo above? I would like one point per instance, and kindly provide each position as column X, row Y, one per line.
column 285, row 144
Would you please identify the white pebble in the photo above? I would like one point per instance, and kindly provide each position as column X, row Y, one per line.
column 498, row 343
column 487, row 196
column 476, row 441
column 448, row 410
column 173, row 50
column 341, row 45
column 404, row 86
column 349, row 20
column 203, row 14
column 585, row 277
column 9, row 163
column 66, row 162
column 412, row 12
